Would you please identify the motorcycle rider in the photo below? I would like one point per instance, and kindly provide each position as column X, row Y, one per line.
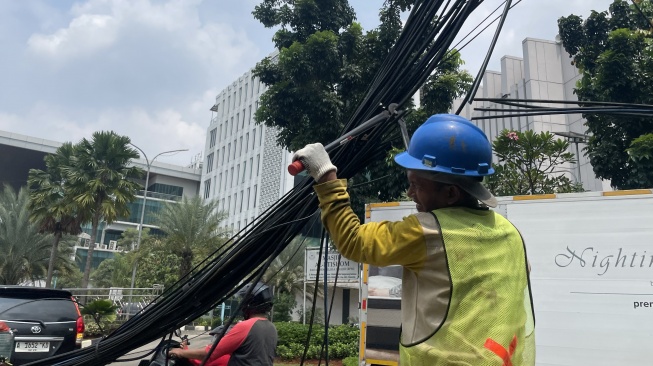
column 250, row 342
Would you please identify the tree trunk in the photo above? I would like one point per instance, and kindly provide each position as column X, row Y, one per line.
column 89, row 257
column 186, row 263
column 53, row 257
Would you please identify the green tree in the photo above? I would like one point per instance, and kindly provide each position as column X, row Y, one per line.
column 51, row 207
column 192, row 227
column 530, row 163
column 102, row 311
column 25, row 251
column 101, row 182
column 641, row 156
column 614, row 53
column 113, row 272
column 325, row 65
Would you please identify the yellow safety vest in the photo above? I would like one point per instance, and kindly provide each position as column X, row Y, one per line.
column 490, row 319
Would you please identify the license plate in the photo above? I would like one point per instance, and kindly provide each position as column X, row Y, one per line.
column 32, row 347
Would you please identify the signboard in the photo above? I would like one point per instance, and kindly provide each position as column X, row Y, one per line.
column 348, row 271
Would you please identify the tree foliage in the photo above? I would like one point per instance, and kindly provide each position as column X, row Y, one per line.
column 614, row 52
column 531, row 163
column 52, row 208
column 25, row 251
column 324, row 67
column 193, row 228
column 101, row 182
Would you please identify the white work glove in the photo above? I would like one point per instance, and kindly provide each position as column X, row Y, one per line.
column 315, row 159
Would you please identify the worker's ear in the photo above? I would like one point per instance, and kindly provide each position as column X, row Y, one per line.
column 453, row 194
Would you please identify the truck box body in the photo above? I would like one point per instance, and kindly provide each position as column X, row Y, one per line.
column 592, row 274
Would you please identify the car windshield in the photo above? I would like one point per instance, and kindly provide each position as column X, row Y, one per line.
column 47, row 310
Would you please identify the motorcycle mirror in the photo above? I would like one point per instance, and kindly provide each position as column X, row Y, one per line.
column 178, row 332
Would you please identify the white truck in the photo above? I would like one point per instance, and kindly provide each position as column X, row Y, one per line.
column 592, row 278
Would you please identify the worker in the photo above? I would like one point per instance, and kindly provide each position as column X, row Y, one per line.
column 466, row 296
column 252, row 341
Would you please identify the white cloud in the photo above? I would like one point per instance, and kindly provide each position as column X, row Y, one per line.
column 85, row 34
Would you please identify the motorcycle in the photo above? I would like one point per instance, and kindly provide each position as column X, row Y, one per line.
column 161, row 357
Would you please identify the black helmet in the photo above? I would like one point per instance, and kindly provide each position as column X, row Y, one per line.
column 259, row 300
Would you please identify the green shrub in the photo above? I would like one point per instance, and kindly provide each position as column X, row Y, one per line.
column 350, row 361
column 343, row 341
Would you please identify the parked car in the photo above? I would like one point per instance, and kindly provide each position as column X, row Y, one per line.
column 44, row 322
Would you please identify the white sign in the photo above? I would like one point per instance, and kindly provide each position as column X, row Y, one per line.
column 347, row 272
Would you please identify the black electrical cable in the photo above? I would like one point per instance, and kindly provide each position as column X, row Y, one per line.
column 409, row 63
column 477, row 82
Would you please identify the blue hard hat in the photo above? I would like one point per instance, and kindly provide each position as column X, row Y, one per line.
column 448, row 143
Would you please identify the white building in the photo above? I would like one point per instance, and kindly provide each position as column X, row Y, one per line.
column 544, row 72
column 244, row 169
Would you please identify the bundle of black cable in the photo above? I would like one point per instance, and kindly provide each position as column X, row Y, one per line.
column 425, row 40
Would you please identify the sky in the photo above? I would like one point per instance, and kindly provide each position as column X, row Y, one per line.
column 151, row 69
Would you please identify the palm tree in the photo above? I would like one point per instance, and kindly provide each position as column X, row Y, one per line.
column 25, row 252
column 101, row 182
column 51, row 208
column 192, row 228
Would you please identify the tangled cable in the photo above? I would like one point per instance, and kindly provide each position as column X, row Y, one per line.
column 425, row 40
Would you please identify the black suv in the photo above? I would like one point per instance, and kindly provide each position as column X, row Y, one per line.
column 45, row 322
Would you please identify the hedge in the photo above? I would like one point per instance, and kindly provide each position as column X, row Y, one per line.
column 343, row 341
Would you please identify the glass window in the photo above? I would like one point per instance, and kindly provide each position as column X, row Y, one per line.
column 244, row 170
column 237, row 120
column 207, row 188
column 242, row 126
column 251, row 164
column 222, row 153
column 237, row 173
column 246, row 142
column 209, row 163
column 229, row 152
column 240, row 150
column 241, row 201
column 253, row 138
column 255, row 192
column 231, row 184
column 235, row 202
column 247, row 208
column 213, row 136
column 258, row 164
column 219, row 183
column 246, row 90
column 260, row 134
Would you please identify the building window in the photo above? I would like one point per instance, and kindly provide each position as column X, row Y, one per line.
column 240, row 152
column 244, row 170
column 213, row 134
column 258, row 164
column 207, row 188
column 222, row 154
column 248, row 196
column 235, row 203
column 240, row 93
column 260, row 137
column 209, row 163
column 251, row 118
column 228, row 204
column 251, row 165
column 241, row 201
column 246, row 87
column 219, row 183
column 246, row 142
column 253, row 138
column 228, row 152
column 255, row 191
column 231, row 126
column 243, row 122
column 237, row 173
column 237, row 120
column 231, row 183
